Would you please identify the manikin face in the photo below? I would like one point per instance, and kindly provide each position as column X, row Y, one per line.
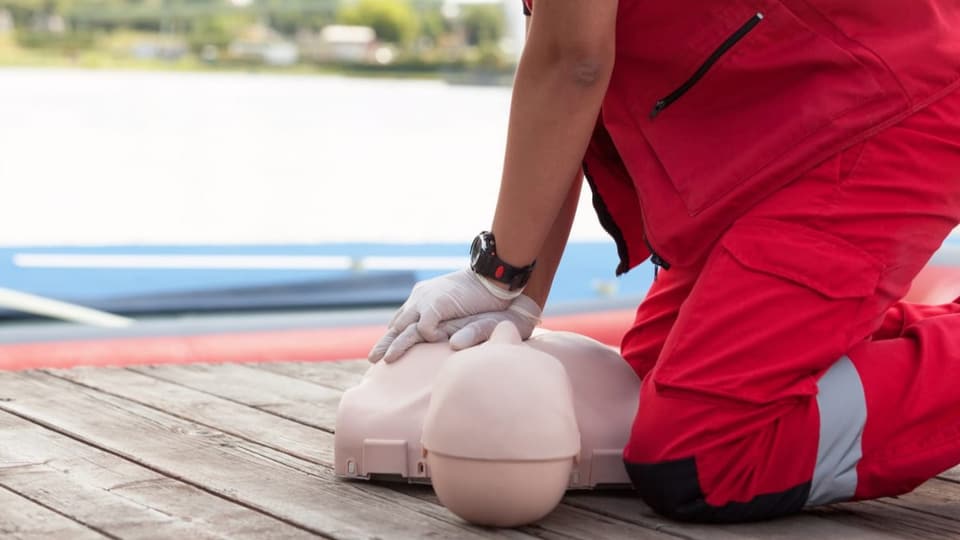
column 501, row 434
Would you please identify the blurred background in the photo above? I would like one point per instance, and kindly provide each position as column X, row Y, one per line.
column 170, row 157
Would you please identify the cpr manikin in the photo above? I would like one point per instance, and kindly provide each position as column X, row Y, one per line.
column 501, row 430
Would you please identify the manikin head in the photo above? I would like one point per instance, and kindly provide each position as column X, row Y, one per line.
column 500, row 435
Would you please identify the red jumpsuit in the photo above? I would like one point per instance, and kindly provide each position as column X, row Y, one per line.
column 792, row 165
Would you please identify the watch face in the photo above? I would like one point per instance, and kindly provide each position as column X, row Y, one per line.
column 475, row 249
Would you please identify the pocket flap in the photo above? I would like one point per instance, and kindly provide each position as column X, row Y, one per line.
column 815, row 259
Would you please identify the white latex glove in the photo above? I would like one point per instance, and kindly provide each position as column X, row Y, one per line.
column 435, row 301
column 524, row 313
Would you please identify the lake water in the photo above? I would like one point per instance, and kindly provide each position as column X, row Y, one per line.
column 100, row 157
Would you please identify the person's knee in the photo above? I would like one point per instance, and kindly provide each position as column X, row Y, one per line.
column 668, row 484
column 685, row 466
column 669, row 488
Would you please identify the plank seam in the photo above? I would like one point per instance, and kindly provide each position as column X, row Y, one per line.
column 948, row 479
column 150, row 467
column 263, row 366
column 206, row 425
column 220, row 429
column 93, row 528
column 917, row 510
column 146, row 373
column 266, row 367
column 656, row 527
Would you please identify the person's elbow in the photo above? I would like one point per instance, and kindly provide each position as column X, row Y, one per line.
column 590, row 71
column 585, row 65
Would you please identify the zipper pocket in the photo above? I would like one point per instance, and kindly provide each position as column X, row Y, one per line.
column 705, row 67
column 655, row 259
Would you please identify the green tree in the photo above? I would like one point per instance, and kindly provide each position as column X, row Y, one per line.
column 483, row 23
column 432, row 24
column 218, row 30
column 394, row 21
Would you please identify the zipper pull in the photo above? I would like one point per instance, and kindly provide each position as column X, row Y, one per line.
column 660, row 105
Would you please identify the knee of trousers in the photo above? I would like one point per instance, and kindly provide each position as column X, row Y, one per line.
column 703, row 460
column 672, row 489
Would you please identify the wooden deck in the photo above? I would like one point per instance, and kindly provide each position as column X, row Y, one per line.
column 246, row 451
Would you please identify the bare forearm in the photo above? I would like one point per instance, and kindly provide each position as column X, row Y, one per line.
column 548, row 260
column 556, row 101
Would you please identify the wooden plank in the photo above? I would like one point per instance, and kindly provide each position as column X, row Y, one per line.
column 233, row 418
column 937, row 497
column 866, row 520
column 294, row 490
column 342, row 374
column 116, row 496
column 567, row 522
column 22, row 519
column 302, row 401
column 952, row 475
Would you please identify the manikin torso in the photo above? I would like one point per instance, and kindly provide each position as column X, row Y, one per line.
column 501, row 429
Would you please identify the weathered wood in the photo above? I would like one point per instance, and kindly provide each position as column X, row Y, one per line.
column 937, row 497
column 566, row 522
column 844, row 523
column 298, row 400
column 903, row 522
column 116, row 496
column 641, row 517
column 22, row 519
column 952, row 475
column 217, row 429
column 228, row 416
column 291, row 489
column 341, row 374
column 249, row 423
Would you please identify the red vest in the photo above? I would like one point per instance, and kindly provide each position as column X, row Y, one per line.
column 714, row 105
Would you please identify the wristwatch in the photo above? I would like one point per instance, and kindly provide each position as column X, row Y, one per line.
column 485, row 262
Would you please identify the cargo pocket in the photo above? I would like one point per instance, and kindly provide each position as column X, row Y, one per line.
column 777, row 304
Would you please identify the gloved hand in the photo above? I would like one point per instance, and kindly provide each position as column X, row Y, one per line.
column 434, row 301
column 524, row 313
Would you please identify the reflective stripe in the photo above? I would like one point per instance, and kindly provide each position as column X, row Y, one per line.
column 843, row 412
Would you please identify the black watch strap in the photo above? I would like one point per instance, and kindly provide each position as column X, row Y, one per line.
column 485, row 262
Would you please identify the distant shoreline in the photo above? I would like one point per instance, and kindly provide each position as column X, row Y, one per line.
column 98, row 61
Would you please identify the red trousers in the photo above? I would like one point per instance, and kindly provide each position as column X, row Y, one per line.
column 785, row 371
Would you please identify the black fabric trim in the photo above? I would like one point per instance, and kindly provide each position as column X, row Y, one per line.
column 608, row 224
column 526, row 10
column 672, row 488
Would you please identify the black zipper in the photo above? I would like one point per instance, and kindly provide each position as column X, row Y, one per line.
column 657, row 260
column 607, row 222
column 705, row 67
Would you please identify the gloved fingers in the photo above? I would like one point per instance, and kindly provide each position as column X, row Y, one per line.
column 404, row 317
column 380, row 348
column 429, row 325
column 406, row 339
column 453, row 326
column 474, row 333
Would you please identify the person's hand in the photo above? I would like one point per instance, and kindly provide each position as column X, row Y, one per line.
column 435, row 301
column 466, row 332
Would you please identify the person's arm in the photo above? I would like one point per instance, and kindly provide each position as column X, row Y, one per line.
column 538, row 288
column 560, row 83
